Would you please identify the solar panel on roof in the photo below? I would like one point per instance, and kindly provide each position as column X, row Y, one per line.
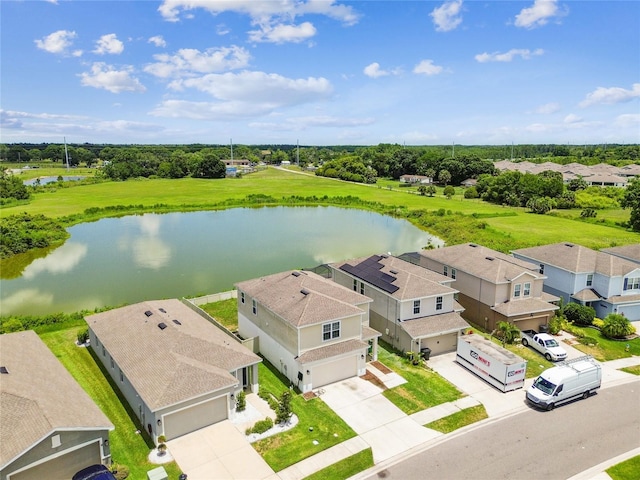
column 369, row 271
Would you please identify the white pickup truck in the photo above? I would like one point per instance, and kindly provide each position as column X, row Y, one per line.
column 544, row 343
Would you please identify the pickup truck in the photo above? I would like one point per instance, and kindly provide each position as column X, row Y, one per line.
column 544, row 343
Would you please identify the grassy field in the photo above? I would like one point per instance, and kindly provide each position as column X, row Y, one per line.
column 127, row 446
column 191, row 194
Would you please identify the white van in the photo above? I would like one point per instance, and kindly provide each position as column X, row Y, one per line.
column 564, row 382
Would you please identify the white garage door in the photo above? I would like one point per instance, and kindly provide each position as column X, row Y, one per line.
column 63, row 467
column 195, row 417
column 443, row 343
column 335, row 371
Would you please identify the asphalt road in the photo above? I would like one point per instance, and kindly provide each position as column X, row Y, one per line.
column 534, row 444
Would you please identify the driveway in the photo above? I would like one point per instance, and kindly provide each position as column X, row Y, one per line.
column 219, row 451
column 382, row 425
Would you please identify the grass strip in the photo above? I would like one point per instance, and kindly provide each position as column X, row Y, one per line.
column 345, row 468
column 459, row 419
column 627, row 470
column 225, row 312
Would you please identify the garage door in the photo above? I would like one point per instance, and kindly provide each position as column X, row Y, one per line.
column 442, row 344
column 335, row 371
column 195, row 417
column 63, row 467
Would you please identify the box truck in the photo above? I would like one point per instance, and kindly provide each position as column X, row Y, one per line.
column 494, row 364
column 570, row 379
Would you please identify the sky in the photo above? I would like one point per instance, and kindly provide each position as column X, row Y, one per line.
column 320, row 72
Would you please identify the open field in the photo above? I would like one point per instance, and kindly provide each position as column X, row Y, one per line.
column 196, row 194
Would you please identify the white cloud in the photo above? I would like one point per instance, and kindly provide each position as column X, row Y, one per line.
column 222, row 29
column 572, row 118
column 245, row 94
column 447, row 17
column 283, row 33
column 109, row 44
column 426, row 67
column 538, row 14
column 189, row 61
column 611, row 95
column 373, row 70
column 107, row 77
column 548, row 108
column 523, row 53
column 158, row 41
column 56, row 42
column 627, row 120
column 303, row 123
column 61, row 260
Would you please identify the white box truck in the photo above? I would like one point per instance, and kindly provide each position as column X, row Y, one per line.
column 494, row 364
column 570, row 379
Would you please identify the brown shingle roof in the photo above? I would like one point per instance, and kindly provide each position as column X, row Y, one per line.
column 482, row 262
column 333, row 350
column 523, row 306
column 578, row 259
column 627, row 252
column 169, row 365
column 38, row 396
column 586, row 295
column 323, row 300
column 412, row 280
column 434, row 325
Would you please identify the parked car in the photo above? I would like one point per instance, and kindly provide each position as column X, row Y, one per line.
column 94, row 472
column 545, row 344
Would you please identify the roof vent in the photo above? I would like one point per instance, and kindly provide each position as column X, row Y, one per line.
column 395, row 272
column 473, row 245
column 4, row 370
column 162, row 310
column 148, row 313
column 304, row 291
column 568, row 245
column 295, row 273
column 177, row 322
column 162, row 325
column 491, row 259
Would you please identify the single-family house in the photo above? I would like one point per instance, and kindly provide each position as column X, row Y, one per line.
column 416, row 179
column 178, row 371
column 49, row 427
column 314, row 331
column 469, row 182
column 493, row 287
column 413, row 308
column 606, row 282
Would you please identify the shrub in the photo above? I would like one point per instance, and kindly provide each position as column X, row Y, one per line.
column 241, row 404
column 119, row 471
column 283, row 412
column 471, row 192
column 83, row 336
column 590, row 341
column 598, row 323
column 261, row 426
column 11, row 325
column 557, row 323
column 449, row 191
column 576, row 332
column 579, row 314
column 617, row 326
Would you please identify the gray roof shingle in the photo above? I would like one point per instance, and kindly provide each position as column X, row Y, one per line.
column 434, row 325
column 170, row 365
column 38, row 396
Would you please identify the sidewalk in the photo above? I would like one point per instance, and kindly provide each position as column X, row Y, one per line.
column 497, row 404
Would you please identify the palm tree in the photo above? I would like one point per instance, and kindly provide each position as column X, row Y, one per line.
column 507, row 332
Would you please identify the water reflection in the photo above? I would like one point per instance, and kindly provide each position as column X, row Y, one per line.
column 147, row 249
column 61, row 260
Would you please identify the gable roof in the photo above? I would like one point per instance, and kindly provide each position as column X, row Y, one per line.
column 304, row 298
column 169, row 365
column 578, row 259
column 482, row 262
column 38, row 396
column 434, row 325
column 628, row 252
column 398, row 278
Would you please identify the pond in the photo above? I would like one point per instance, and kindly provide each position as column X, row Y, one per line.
column 46, row 180
column 117, row 261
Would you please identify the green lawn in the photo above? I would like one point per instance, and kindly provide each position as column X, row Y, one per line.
column 345, row 468
column 292, row 446
column 424, row 387
column 459, row 419
column 634, row 370
column 627, row 470
column 127, row 447
column 225, row 312
column 607, row 349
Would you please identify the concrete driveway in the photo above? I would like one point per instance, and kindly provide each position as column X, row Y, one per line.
column 219, row 451
column 382, row 425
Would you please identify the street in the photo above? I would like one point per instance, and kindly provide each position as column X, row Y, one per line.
column 534, row 444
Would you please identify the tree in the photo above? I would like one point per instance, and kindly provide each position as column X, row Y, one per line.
column 12, row 187
column 540, row 205
column 617, row 326
column 210, row 167
column 631, row 200
column 444, row 176
column 449, row 191
column 471, row 192
column 577, row 184
column 283, row 413
column 579, row 314
column 507, row 332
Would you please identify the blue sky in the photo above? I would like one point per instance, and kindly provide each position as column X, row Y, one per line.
column 320, row 72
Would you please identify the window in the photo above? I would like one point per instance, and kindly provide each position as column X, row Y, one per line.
column 112, row 364
column 254, row 306
column 330, row 330
column 355, row 285
column 241, row 297
column 121, row 376
column 361, row 288
column 527, row 289
column 516, row 290
column 589, row 279
column 445, row 271
column 453, row 273
column 416, row 307
column 104, row 352
column 632, row 283
column 541, row 269
column 438, row 303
